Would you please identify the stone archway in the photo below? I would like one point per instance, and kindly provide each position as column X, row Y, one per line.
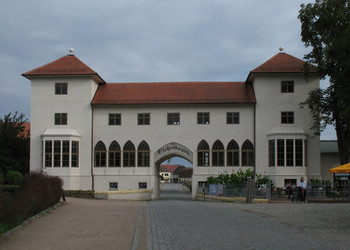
column 165, row 152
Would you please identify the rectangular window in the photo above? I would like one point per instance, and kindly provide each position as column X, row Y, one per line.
column 287, row 86
column 61, row 88
column 173, row 118
column 75, row 154
column 114, row 119
column 65, row 153
column 299, row 152
column 280, row 152
column 57, row 154
column 287, row 117
column 272, row 160
column 48, row 153
column 290, row 152
column 203, row 118
column 142, row 185
column 60, row 118
column 144, row 119
column 232, row 117
column 113, row 185
column 305, row 153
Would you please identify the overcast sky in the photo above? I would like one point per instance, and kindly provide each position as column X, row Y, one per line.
column 144, row 40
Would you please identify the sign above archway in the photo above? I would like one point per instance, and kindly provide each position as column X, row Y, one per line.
column 173, row 149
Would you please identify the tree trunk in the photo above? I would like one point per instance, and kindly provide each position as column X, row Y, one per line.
column 343, row 139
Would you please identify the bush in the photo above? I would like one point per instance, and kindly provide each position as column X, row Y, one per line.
column 9, row 188
column 14, row 178
column 38, row 192
column 237, row 178
column 2, row 178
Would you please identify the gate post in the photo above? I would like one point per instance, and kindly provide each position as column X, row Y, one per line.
column 250, row 190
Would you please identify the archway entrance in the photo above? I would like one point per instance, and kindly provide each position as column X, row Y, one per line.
column 167, row 151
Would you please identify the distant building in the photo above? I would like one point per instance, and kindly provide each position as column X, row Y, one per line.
column 184, row 174
column 113, row 137
column 168, row 173
column 329, row 158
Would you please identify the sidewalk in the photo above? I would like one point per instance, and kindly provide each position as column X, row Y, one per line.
column 84, row 224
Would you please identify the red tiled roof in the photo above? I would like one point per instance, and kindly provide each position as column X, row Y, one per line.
column 282, row 63
column 26, row 126
column 170, row 168
column 174, row 93
column 66, row 65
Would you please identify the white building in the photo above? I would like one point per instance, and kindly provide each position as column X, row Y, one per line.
column 112, row 137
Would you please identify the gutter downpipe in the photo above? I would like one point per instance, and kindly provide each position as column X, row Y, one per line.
column 92, row 152
column 254, row 140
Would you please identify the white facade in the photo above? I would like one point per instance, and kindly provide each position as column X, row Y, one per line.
column 88, row 124
column 270, row 103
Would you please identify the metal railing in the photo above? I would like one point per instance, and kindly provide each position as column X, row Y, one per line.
column 326, row 190
column 244, row 189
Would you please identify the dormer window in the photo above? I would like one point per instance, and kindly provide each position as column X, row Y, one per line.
column 287, row 86
column 61, row 88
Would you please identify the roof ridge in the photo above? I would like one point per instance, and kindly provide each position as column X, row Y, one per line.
column 167, row 82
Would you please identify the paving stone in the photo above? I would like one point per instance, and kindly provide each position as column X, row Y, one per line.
column 186, row 224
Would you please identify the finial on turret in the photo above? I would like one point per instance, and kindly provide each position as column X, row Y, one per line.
column 281, row 49
column 71, row 51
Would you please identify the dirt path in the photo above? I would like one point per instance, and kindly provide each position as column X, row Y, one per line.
column 84, row 224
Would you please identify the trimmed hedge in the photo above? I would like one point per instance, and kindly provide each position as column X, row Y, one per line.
column 2, row 178
column 38, row 192
column 9, row 188
column 14, row 178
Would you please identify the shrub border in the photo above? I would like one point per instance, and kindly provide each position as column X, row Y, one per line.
column 30, row 219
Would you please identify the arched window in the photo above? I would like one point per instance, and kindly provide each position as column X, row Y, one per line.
column 114, row 154
column 143, row 154
column 218, row 152
column 129, row 154
column 247, row 154
column 232, row 154
column 100, row 154
column 203, row 154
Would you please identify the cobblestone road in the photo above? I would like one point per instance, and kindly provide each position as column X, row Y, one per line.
column 177, row 222
column 186, row 224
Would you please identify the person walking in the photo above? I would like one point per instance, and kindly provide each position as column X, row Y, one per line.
column 302, row 189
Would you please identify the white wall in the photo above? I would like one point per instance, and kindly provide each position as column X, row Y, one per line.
column 158, row 133
column 44, row 104
column 270, row 103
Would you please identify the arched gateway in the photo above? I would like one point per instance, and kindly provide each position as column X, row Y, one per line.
column 167, row 151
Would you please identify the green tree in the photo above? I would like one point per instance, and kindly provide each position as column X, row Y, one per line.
column 325, row 26
column 14, row 144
